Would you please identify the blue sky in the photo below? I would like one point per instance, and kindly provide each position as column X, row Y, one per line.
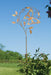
column 12, row 35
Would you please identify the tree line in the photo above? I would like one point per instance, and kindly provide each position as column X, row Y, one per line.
column 9, row 56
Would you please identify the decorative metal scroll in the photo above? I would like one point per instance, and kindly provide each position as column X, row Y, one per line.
column 27, row 17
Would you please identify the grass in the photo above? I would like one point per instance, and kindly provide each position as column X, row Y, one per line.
column 10, row 69
column 50, row 70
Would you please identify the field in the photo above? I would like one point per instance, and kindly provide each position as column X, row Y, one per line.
column 10, row 69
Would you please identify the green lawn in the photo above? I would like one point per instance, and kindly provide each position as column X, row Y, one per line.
column 50, row 70
column 10, row 69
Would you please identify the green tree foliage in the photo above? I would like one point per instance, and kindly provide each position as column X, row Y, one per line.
column 8, row 56
column 1, row 46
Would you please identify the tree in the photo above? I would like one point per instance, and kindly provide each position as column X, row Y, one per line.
column 49, row 10
column 1, row 46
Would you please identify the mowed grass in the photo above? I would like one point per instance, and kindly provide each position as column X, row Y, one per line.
column 9, row 69
column 50, row 71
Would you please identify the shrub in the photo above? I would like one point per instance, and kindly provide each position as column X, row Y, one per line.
column 38, row 65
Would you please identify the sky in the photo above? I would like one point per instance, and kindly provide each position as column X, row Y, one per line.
column 13, row 37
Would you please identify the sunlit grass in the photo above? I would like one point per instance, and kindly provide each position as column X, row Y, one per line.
column 10, row 69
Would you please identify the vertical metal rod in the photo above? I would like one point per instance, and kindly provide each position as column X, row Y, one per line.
column 26, row 45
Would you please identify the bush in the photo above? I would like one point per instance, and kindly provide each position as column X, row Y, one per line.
column 38, row 65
